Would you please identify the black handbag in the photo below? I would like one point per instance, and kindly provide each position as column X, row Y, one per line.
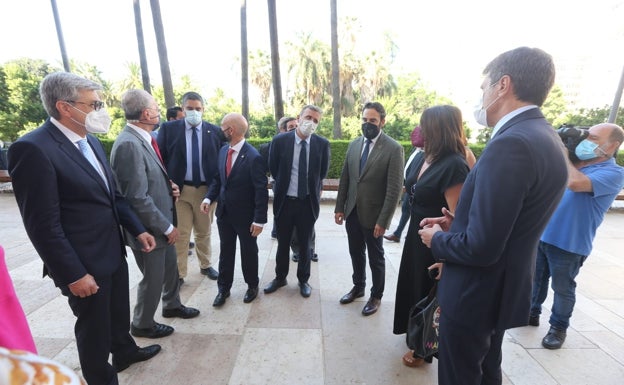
column 422, row 325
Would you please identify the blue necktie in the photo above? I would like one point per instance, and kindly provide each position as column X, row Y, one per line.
column 88, row 153
column 195, row 157
column 364, row 155
column 302, row 186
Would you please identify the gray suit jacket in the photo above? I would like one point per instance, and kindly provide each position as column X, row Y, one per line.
column 143, row 181
column 376, row 192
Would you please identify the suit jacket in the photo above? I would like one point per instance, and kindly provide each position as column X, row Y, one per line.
column 143, row 181
column 505, row 203
column 172, row 143
column 243, row 196
column 280, row 164
column 69, row 214
column 377, row 191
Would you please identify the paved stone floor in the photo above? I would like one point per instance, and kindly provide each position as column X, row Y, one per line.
column 283, row 338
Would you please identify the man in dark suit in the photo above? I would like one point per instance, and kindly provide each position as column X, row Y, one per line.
column 240, row 189
column 144, row 183
column 189, row 149
column 298, row 161
column 489, row 250
column 368, row 192
column 72, row 213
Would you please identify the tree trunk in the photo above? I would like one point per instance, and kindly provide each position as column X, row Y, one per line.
column 244, row 61
column 59, row 33
column 335, row 80
column 275, row 62
column 140, row 41
column 162, row 54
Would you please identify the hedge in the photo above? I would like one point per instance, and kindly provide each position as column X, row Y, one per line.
column 339, row 150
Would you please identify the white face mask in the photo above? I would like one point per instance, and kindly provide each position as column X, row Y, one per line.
column 96, row 122
column 307, row 128
column 193, row 117
column 480, row 112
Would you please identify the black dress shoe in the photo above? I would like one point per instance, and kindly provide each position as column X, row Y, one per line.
column 220, row 298
column 180, row 312
column 156, row 331
column 534, row 320
column 352, row 295
column 181, row 281
column 305, row 289
column 371, row 306
column 554, row 339
column 141, row 354
column 314, row 257
column 191, row 245
column 295, row 258
column 210, row 273
column 250, row 294
column 274, row 285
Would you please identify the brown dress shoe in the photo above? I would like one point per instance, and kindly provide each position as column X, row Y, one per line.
column 371, row 306
column 392, row 238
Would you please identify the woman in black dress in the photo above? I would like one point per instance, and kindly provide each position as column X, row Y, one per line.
column 434, row 180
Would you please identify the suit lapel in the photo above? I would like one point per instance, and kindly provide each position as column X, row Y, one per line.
column 147, row 148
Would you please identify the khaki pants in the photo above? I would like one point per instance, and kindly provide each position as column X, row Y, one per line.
column 191, row 219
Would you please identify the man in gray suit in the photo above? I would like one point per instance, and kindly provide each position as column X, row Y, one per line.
column 368, row 193
column 143, row 181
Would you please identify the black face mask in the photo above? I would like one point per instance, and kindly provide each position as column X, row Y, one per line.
column 221, row 135
column 370, row 131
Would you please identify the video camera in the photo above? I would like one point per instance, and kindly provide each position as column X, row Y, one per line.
column 571, row 137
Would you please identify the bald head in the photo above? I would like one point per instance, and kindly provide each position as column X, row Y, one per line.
column 234, row 126
column 608, row 136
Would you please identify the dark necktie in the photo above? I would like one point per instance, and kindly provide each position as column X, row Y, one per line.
column 228, row 162
column 302, row 186
column 195, row 157
column 364, row 155
column 157, row 151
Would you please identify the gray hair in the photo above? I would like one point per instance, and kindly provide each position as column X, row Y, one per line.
column 134, row 101
column 311, row 107
column 63, row 86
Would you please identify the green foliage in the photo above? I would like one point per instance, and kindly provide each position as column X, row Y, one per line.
column 554, row 107
column 593, row 116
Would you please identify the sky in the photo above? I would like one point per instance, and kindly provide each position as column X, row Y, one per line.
column 448, row 42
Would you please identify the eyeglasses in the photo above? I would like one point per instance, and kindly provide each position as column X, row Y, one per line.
column 96, row 105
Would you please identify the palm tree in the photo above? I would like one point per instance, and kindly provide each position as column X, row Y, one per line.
column 162, row 53
column 59, row 33
column 142, row 56
column 311, row 65
column 275, row 62
column 335, row 71
column 261, row 74
column 244, row 61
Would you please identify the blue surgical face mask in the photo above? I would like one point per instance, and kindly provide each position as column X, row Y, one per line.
column 586, row 150
column 193, row 117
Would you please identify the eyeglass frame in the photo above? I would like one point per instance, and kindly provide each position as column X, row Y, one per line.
column 96, row 105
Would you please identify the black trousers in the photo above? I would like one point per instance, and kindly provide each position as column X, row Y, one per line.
column 228, row 232
column 361, row 239
column 295, row 214
column 103, row 326
column 469, row 356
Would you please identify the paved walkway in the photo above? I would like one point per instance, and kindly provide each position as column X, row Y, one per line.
column 283, row 338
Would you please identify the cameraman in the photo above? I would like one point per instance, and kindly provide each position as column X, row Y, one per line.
column 593, row 183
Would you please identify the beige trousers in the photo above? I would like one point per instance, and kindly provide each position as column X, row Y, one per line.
column 191, row 219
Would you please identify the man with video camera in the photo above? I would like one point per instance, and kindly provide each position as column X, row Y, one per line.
column 593, row 183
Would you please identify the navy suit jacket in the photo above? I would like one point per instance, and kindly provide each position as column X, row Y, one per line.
column 243, row 196
column 70, row 216
column 280, row 164
column 505, row 203
column 172, row 144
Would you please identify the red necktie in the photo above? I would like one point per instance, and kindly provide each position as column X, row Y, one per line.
column 157, row 150
column 228, row 162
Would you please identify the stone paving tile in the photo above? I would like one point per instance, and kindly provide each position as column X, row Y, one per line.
column 283, row 338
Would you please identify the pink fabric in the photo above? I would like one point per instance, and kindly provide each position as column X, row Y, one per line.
column 14, row 330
